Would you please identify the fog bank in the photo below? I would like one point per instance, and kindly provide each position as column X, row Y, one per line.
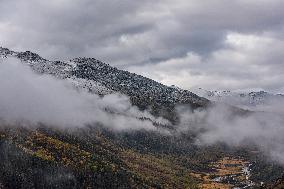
column 221, row 124
column 27, row 97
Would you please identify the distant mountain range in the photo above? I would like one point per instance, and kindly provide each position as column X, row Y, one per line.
column 258, row 101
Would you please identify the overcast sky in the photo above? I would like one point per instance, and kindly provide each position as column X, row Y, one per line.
column 213, row 44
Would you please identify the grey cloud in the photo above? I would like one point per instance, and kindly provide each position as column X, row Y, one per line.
column 249, row 61
column 143, row 33
column 221, row 124
column 60, row 27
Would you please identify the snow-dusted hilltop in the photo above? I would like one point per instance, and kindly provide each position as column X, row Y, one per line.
column 100, row 78
column 260, row 100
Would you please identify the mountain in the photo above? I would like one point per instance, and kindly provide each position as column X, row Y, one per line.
column 100, row 78
column 95, row 156
column 258, row 101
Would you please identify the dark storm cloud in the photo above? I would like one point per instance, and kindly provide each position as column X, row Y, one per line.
column 67, row 29
column 146, row 35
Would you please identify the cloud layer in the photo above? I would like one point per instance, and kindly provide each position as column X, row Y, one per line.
column 215, row 45
column 27, row 97
column 221, row 124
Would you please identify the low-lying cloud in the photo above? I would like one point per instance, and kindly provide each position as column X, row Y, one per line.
column 28, row 97
column 222, row 124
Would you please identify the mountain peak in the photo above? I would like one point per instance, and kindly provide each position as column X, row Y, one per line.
column 29, row 56
column 24, row 56
column 5, row 51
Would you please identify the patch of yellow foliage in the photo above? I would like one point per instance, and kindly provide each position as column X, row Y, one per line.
column 52, row 149
column 161, row 169
column 224, row 167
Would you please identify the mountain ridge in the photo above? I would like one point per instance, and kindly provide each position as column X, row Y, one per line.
column 253, row 100
column 101, row 78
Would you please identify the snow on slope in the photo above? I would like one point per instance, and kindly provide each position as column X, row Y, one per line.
column 100, row 78
column 260, row 101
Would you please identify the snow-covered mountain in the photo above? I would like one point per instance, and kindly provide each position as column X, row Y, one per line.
column 260, row 100
column 97, row 77
column 100, row 78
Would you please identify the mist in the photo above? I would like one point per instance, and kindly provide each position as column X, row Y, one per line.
column 29, row 98
column 221, row 123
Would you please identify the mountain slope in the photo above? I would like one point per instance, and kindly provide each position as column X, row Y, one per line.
column 100, row 78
